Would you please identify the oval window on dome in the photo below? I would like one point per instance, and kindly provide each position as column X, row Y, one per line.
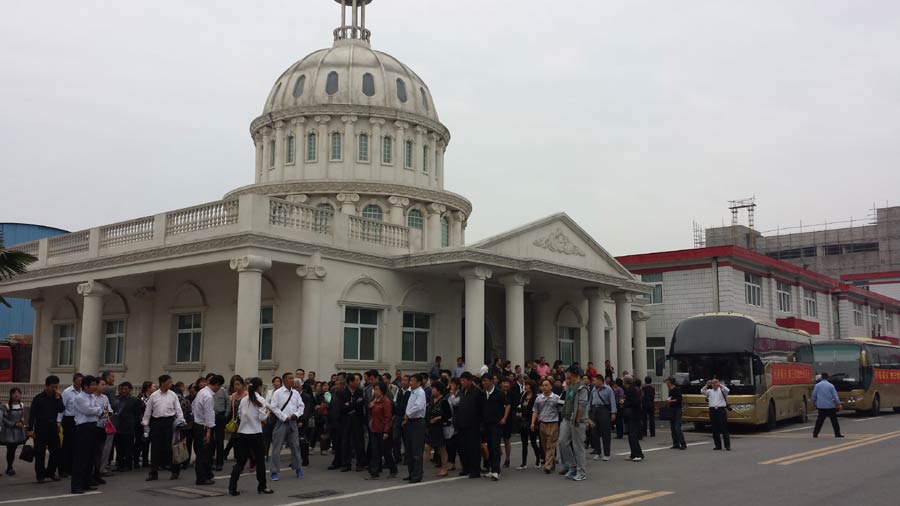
column 298, row 86
column 331, row 84
column 368, row 84
column 424, row 99
column 401, row 90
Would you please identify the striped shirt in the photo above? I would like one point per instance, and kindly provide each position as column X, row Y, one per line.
column 547, row 408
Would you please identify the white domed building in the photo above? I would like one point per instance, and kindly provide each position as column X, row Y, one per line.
column 346, row 253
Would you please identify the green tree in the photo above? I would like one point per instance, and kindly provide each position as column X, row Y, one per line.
column 11, row 263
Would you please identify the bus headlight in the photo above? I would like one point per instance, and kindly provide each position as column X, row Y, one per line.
column 854, row 398
column 742, row 408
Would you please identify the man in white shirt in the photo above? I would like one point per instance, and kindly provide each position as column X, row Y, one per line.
column 67, row 419
column 162, row 414
column 204, row 411
column 87, row 412
column 287, row 406
column 717, row 397
column 414, row 429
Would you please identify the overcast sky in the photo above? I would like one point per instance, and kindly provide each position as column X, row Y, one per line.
column 635, row 117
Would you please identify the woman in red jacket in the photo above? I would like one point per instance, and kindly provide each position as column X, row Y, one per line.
column 380, row 420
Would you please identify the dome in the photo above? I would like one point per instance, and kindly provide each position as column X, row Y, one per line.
column 351, row 73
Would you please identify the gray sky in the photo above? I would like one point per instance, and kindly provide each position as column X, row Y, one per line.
column 633, row 117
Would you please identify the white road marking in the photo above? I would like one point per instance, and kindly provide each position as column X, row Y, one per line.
column 792, row 430
column 30, row 499
column 664, row 448
column 374, row 491
column 864, row 419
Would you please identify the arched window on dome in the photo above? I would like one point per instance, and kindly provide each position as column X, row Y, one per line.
column 408, row 155
column 445, row 232
column 290, row 145
column 331, row 83
column 272, row 154
column 368, row 85
column 414, row 219
column 363, row 147
column 336, row 147
column 299, row 85
column 312, row 147
column 387, row 150
column 424, row 99
column 373, row 212
column 401, row 90
column 425, row 158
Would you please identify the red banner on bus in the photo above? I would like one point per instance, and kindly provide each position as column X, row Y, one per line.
column 791, row 374
column 887, row 376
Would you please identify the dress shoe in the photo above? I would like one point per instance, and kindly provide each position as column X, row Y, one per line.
column 90, row 488
column 100, row 481
column 152, row 477
column 77, row 491
column 234, row 492
column 415, row 481
column 207, row 482
column 345, row 470
column 265, row 491
column 333, row 467
column 407, row 478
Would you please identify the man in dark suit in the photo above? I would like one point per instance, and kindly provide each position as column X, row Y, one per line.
column 399, row 412
column 42, row 427
column 128, row 411
column 494, row 415
column 467, row 420
column 511, row 390
column 337, row 422
column 354, row 439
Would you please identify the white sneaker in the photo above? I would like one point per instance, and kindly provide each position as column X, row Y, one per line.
column 523, row 466
column 637, row 459
column 579, row 477
column 486, row 475
column 606, row 458
column 495, row 476
column 538, row 465
column 596, row 457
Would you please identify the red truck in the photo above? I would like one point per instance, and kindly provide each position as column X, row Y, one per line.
column 15, row 360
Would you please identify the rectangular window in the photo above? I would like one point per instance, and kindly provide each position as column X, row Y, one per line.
column 889, row 323
column 114, row 342
column 363, row 148
column 753, row 289
column 187, row 338
column 568, row 341
column 857, row 315
column 408, row 158
column 783, row 293
column 312, row 148
column 424, row 158
column 812, row 306
column 360, row 333
column 387, row 150
column 336, row 147
column 874, row 321
column 656, row 296
column 65, row 345
column 266, row 333
column 272, row 154
column 416, row 327
column 289, row 147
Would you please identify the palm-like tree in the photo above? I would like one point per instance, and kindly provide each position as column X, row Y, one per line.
column 13, row 262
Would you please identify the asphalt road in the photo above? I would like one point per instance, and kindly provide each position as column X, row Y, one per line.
column 786, row 466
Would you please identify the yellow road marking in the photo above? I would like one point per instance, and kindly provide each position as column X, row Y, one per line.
column 609, row 498
column 820, row 450
column 836, row 450
column 640, row 498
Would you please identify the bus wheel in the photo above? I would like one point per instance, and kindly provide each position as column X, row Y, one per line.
column 876, row 405
column 896, row 409
column 804, row 414
column 698, row 426
column 770, row 417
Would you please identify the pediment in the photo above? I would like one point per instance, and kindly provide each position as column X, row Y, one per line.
column 556, row 239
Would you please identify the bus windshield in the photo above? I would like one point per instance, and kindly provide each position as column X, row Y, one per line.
column 735, row 371
column 840, row 361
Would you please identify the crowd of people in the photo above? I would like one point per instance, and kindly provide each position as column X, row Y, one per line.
column 373, row 423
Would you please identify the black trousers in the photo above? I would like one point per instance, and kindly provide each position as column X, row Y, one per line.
column 493, row 433
column 97, row 465
column 381, row 448
column 161, row 444
column 84, row 440
column 245, row 446
column 529, row 436
column 601, row 432
column 204, row 452
column 831, row 414
column 620, row 426
column 46, row 439
column 470, row 450
column 675, row 427
column 219, row 440
column 67, row 455
column 718, row 418
column 124, row 444
column 415, row 448
column 337, row 444
column 648, row 421
column 634, row 435
column 353, row 444
column 397, row 435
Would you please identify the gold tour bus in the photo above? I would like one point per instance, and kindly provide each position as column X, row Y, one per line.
column 865, row 372
column 767, row 379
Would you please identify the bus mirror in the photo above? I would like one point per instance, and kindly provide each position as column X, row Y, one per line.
column 759, row 367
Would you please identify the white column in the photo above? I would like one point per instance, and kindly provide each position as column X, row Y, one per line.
column 279, row 151
column 439, row 163
column 474, row 279
column 432, row 160
column 38, row 306
column 398, row 206
column 596, row 325
column 640, row 344
column 323, row 148
column 91, row 345
column 348, row 146
column 376, row 144
column 258, row 142
column 348, row 202
column 456, row 238
column 417, row 149
column 312, row 276
column 515, row 317
column 623, row 333
column 246, row 346
column 434, row 225
column 267, row 155
column 299, row 147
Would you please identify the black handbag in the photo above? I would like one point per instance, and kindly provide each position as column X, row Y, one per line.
column 27, row 453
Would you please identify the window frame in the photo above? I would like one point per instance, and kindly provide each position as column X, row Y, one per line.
column 359, row 326
column 266, row 326
column 888, row 322
column 858, row 315
column 425, row 158
column 362, row 147
column 312, row 147
column 190, row 332
column 753, row 292
column 404, row 329
column 336, row 137
column 656, row 295
column 119, row 338
column 290, row 146
column 445, row 232
column 569, row 341
column 272, row 157
column 58, row 339
column 387, row 150
column 418, row 216
column 783, row 292
column 811, row 303
column 408, row 155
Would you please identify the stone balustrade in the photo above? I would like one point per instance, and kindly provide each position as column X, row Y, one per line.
column 202, row 217
column 379, row 232
column 128, row 232
column 300, row 216
column 75, row 242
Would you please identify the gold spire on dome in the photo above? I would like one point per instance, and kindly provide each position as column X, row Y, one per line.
column 357, row 28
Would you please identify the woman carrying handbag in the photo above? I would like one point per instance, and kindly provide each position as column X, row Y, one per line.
column 12, row 430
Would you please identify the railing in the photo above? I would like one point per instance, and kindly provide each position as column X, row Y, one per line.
column 75, row 242
column 29, row 247
column 202, row 217
column 129, row 232
column 298, row 216
column 379, row 232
